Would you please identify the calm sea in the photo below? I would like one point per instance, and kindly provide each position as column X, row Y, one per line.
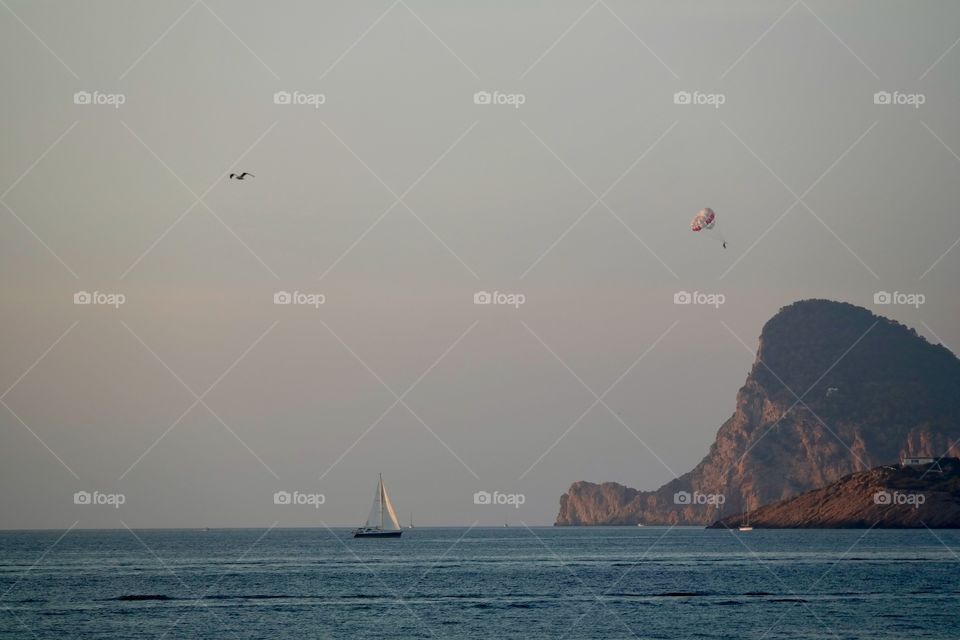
column 480, row 583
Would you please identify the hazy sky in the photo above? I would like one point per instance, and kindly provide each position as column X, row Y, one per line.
column 397, row 199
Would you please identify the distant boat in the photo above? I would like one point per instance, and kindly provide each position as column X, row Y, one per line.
column 745, row 526
column 639, row 524
column 411, row 522
column 382, row 521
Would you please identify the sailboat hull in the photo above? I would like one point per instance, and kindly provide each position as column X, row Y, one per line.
column 376, row 534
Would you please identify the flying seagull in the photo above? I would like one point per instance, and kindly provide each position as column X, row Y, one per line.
column 241, row 176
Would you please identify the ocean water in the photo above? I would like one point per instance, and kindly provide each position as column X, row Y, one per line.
column 480, row 583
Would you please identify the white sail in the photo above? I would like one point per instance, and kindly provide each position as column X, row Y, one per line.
column 382, row 515
column 390, row 523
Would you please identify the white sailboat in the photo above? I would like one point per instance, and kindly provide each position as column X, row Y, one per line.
column 382, row 521
column 745, row 526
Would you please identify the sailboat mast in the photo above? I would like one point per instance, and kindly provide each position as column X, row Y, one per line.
column 380, row 494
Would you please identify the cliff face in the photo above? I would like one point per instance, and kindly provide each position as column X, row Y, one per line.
column 870, row 390
column 885, row 497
